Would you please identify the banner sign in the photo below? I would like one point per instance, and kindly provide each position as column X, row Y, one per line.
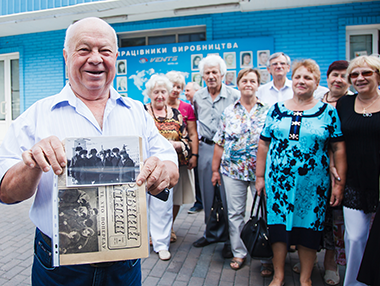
column 135, row 65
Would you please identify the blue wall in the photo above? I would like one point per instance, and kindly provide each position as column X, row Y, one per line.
column 312, row 32
column 9, row 7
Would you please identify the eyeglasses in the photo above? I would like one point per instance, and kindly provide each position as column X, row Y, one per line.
column 364, row 74
column 278, row 64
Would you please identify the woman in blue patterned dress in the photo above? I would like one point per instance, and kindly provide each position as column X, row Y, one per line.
column 293, row 155
column 235, row 155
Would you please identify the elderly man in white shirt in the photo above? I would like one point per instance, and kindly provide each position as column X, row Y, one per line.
column 32, row 151
column 280, row 88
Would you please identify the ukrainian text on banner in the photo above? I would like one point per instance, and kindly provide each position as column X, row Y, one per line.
column 136, row 65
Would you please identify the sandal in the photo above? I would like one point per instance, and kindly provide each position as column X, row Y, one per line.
column 332, row 277
column 173, row 237
column 266, row 269
column 238, row 262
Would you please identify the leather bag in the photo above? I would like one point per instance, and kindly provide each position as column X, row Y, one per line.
column 217, row 223
column 255, row 232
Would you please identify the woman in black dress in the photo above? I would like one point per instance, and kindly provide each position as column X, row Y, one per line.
column 360, row 122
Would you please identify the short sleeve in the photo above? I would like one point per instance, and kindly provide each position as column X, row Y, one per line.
column 267, row 129
column 335, row 131
column 219, row 137
column 190, row 114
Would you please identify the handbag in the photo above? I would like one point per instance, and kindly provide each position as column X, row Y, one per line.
column 217, row 222
column 255, row 232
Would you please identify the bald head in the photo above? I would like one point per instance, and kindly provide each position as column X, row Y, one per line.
column 190, row 89
column 87, row 23
column 90, row 54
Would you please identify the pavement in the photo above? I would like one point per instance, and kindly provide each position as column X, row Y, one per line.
column 188, row 265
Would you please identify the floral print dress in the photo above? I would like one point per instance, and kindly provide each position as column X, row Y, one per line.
column 297, row 167
column 239, row 133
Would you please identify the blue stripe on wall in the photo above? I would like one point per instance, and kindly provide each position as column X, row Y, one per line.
column 311, row 32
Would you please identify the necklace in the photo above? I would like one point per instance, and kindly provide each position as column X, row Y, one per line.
column 365, row 113
column 154, row 115
column 331, row 101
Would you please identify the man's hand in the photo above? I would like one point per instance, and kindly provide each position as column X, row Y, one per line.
column 215, row 179
column 21, row 180
column 192, row 162
column 158, row 175
column 48, row 152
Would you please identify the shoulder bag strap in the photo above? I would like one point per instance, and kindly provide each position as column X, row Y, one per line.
column 253, row 206
column 263, row 207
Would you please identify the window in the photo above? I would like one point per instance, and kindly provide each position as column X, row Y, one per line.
column 362, row 40
column 163, row 36
column 9, row 91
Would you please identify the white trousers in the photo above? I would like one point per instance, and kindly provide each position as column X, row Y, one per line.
column 236, row 195
column 160, row 216
column 356, row 225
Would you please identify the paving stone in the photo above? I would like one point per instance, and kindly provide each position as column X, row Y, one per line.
column 188, row 266
column 10, row 264
column 167, row 279
column 151, row 281
column 179, row 283
column 13, row 272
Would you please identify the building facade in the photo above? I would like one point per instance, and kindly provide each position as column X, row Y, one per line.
column 31, row 35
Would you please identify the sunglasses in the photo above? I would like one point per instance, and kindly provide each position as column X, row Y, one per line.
column 364, row 74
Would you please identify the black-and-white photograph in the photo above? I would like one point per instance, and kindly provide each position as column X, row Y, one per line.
column 262, row 58
column 121, row 67
column 265, row 76
column 246, row 59
column 197, row 77
column 195, row 59
column 230, row 78
column 122, row 84
column 230, row 59
column 102, row 160
column 77, row 211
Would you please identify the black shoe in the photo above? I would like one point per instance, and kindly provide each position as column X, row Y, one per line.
column 194, row 210
column 226, row 251
column 201, row 242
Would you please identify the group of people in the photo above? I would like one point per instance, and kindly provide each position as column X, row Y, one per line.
column 284, row 138
column 104, row 167
column 305, row 146
column 76, row 223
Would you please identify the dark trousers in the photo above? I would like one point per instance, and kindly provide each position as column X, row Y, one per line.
column 120, row 273
column 198, row 196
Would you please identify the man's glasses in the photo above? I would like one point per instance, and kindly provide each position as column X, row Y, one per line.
column 278, row 64
column 364, row 74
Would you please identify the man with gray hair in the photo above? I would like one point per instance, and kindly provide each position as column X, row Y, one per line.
column 280, row 88
column 190, row 89
column 209, row 103
column 32, row 151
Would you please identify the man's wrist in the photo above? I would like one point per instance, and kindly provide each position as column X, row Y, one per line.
column 195, row 155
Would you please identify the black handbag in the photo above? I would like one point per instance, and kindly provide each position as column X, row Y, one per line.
column 255, row 232
column 217, row 222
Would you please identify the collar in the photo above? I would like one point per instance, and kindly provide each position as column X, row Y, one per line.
column 288, row 84
column 258, row 102
column 222, row 93
column 67, row 97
